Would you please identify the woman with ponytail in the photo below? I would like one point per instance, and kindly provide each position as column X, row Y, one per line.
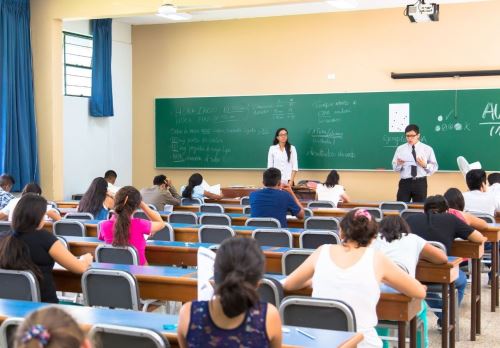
column 29, row 247
column 124, row 230
column 352, row 272
column 282, row 155
column 195, row 190
column 234, row 317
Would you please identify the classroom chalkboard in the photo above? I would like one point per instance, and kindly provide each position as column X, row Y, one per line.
column 330, row 131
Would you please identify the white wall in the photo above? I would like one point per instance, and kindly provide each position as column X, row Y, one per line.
column 93, row 145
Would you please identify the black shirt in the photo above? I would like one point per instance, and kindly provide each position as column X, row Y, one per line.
column 39, row 243
column 442, row 228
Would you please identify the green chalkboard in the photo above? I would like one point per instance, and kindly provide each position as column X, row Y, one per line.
column 340, row 130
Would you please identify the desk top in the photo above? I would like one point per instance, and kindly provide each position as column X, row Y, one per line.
column 157, row 322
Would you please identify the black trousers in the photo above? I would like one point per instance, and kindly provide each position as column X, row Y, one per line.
column 414, row 190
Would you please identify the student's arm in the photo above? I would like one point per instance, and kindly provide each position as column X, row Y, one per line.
column 345, row 198
column 183, row 323
column 398, row 279
column 53, row 214
column 212, row 195
column 301, row 277
column 109, row 201
column 477, row 237
column 172, row 190
column 432, row 254
column 157, row 222
column 3, row 216
column 273, row 326
column 474, row 221
column 288, row 189
column 62, row 256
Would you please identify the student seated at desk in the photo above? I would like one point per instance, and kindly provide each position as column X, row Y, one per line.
column 494, row 189
column 50, row 327
column 97, row 200
column 352, row 272
column 436, row 224
column 194, row 189
column 276, row 199
column 123, row 230
column 29, row 247
column 456, row 206
column 330, row 190
column 234, row 317
column 7, row 212
column 397, row 242
column 478, row 199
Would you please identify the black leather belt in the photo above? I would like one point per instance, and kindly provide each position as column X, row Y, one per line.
column 415, row 179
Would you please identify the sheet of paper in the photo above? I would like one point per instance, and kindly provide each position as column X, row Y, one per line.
column 206, row 259
column 399, row 117
column 215, row 189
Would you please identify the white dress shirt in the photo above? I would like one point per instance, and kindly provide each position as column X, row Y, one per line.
column 278, row 159
column 479, row 202
column 423, row 151
column 495, row 191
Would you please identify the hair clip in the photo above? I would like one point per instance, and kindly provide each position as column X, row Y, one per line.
column 37, row 332
column 363, row 212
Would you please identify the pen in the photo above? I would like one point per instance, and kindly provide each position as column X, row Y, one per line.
column 305, row 334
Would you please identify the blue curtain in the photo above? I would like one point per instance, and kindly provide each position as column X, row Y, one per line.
column 101, row 100
column 18, row 143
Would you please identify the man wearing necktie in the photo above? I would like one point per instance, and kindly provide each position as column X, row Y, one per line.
column 414, row 161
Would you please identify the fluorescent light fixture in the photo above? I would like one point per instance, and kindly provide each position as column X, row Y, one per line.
column 343, row 4
column 182, row 16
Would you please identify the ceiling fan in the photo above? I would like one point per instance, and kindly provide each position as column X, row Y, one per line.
column 179, row 13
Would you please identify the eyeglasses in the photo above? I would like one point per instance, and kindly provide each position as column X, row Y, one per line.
column 411, row 135
column 282, row 134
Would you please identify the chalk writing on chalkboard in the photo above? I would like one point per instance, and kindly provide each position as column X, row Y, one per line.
column 492, row 119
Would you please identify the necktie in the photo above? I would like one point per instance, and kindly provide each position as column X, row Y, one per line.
column 414, row 168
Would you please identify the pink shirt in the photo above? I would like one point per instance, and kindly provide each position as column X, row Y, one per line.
column 138, row 228
column 457, row 213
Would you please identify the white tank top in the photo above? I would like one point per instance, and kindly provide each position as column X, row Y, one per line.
column 355, row 285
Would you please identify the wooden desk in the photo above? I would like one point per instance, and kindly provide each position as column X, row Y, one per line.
column 341, row 212
column 67, row 204
column 177, row 284
column 237, row 192
column 492, row 233
column 88, row 316
column 474, row 251
column 374, row 204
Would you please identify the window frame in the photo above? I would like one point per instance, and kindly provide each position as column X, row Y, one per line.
column 89, row 37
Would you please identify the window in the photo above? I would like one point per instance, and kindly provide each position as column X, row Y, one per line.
column 77, row 64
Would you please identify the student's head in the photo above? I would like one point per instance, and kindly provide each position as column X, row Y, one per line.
column 50, row 327
column 412, row 133
column 127, row 200
column 358, row 226
column 238, row 268
column 32, row 188
column 494, row 178
column 332, row 179
column 7, row 182
column 393, row 228
column 435, row 205
column 476, row 179
column 271, row 177
column 455, row 199
column 281, row 137
column 194, row 180
column 110, row 176
column 159, row 180
column 27, row 217
column 94, row 197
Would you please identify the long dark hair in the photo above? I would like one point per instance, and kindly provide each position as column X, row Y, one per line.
column 238, row 268
column 32, row 187
column 358, row 226
column 393, row 228
column 455, row 199
column 332, row 179
column 93, row 199
column 14, row 253
column 288, row 146
column 194, row 180
column 127, row 200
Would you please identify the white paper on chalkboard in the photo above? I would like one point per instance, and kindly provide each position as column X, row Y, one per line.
column 399, row 117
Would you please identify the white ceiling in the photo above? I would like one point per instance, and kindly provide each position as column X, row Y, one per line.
column 214, row 13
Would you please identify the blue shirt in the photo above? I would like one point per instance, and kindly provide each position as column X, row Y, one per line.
column 5, row 198
column 275, row 203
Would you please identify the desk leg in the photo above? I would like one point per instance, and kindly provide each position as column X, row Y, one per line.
column 453, row 330
column 445, row 330
column 413, row 333
column 401, row 334
column 478, row 297
column 473, row 298
column 494, row 275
